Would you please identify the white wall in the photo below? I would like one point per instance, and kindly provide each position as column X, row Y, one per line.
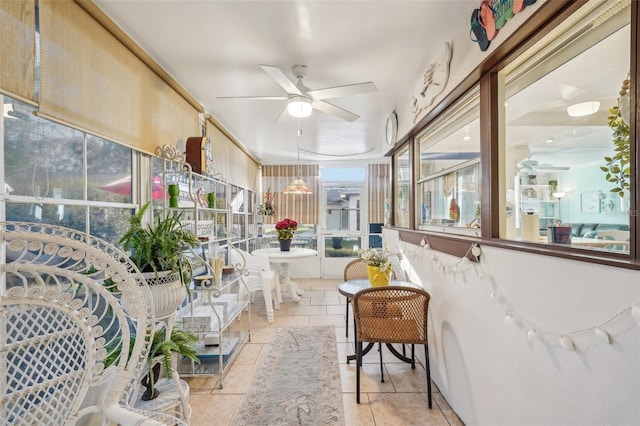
column 466, row 55
column 492, row 375
column 579, row 180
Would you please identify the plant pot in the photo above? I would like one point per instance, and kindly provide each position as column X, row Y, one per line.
column 149, row 382
column 167, row 291
column 377, row 278
column 285, row 245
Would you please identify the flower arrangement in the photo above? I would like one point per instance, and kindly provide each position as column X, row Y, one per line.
column 285, row 229
column 267, row 209
column 381, row 259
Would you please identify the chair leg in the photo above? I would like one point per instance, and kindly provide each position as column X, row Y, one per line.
column 381, row 366
column 358, row 363
column 426, row 357
column 413, row 356
column 346, row 321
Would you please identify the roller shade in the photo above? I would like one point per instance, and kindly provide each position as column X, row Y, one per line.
column 92, row 81
column 17, row 47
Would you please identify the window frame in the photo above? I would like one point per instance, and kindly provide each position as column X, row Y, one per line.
column 486, row 74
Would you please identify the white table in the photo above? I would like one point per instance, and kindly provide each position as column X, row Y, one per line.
column 282, row 259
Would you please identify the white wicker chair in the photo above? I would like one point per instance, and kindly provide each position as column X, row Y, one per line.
column 260, row 277
column 69, row 302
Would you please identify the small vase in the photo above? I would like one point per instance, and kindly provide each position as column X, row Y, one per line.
column 211, row 200
column 377, row 278
column 285, row 245
column 174, row 192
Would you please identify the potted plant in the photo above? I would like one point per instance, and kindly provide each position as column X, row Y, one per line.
column 285, row 229
column 180, row 343
column 618, row 166
column 159, row 251
column 379, row 266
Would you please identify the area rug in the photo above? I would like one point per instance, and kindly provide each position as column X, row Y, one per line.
column 298, row 382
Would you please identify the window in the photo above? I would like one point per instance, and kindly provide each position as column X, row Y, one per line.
column 45, row 178
column 402, row 174
column 449, row 182
column 560, row 113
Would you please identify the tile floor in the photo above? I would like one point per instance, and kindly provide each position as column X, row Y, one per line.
column 401, row 400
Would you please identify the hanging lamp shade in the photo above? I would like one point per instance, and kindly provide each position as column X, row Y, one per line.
column 298, row 186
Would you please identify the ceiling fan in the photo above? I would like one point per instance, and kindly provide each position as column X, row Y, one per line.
column 301, row 100
column 533, row 165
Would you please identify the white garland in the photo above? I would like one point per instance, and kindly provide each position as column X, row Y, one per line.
column 511, row 318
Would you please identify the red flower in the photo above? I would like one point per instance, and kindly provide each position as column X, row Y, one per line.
column 285, row 228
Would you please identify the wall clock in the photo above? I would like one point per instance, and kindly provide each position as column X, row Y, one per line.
column 392, row 129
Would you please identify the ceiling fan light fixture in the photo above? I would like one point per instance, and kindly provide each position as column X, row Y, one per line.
column 299, row 106
column 583, row 109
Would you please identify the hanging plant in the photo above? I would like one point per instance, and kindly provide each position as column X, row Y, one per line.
column 617, row 169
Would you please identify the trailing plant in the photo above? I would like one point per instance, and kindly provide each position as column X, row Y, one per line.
column 161, row 246
column 181, row 343
column 617, row 168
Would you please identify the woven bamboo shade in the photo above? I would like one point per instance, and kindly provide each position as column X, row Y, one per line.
column 302, row 208
column 230, row 161
column 379, row 190
column 17, row 47
column 91, row 80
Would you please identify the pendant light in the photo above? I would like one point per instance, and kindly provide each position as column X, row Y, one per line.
column 298, row 186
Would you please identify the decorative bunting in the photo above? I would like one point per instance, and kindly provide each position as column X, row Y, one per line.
column 511, row 318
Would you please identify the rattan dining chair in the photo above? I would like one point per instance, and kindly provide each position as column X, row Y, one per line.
column 390, row 315
column 356, row 269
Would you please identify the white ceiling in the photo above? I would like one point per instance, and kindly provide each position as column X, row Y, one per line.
column 214, row 48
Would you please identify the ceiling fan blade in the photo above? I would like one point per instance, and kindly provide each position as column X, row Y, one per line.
column 277, row 74
column 549, row 167
column 340, row 91
column 334, row 110
column 258, row 98
column 284, row 115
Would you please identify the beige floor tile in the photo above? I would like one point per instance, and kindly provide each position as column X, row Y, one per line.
column 324, row 301
column 341, row 335
column 407, row 409
column 213, row 409
column 449, row 414
column 200, row 384
column 327, row 285
column 401, row 400
column 238, row 379
column 314, row 293
column 310, row 310
column 406, row 379
column 369, row 379
column 336, row 310
column 262, row 335
column 326, row 320
column 292, row 321
column 357, row 414
column 249, row 353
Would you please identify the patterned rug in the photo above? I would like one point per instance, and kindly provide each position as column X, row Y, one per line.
column 298, row 382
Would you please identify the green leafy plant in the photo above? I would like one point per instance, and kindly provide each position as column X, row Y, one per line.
column 161, row 246
column 181, row 343
column 617, row 168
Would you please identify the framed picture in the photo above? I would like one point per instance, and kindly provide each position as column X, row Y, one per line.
column 590, row 202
